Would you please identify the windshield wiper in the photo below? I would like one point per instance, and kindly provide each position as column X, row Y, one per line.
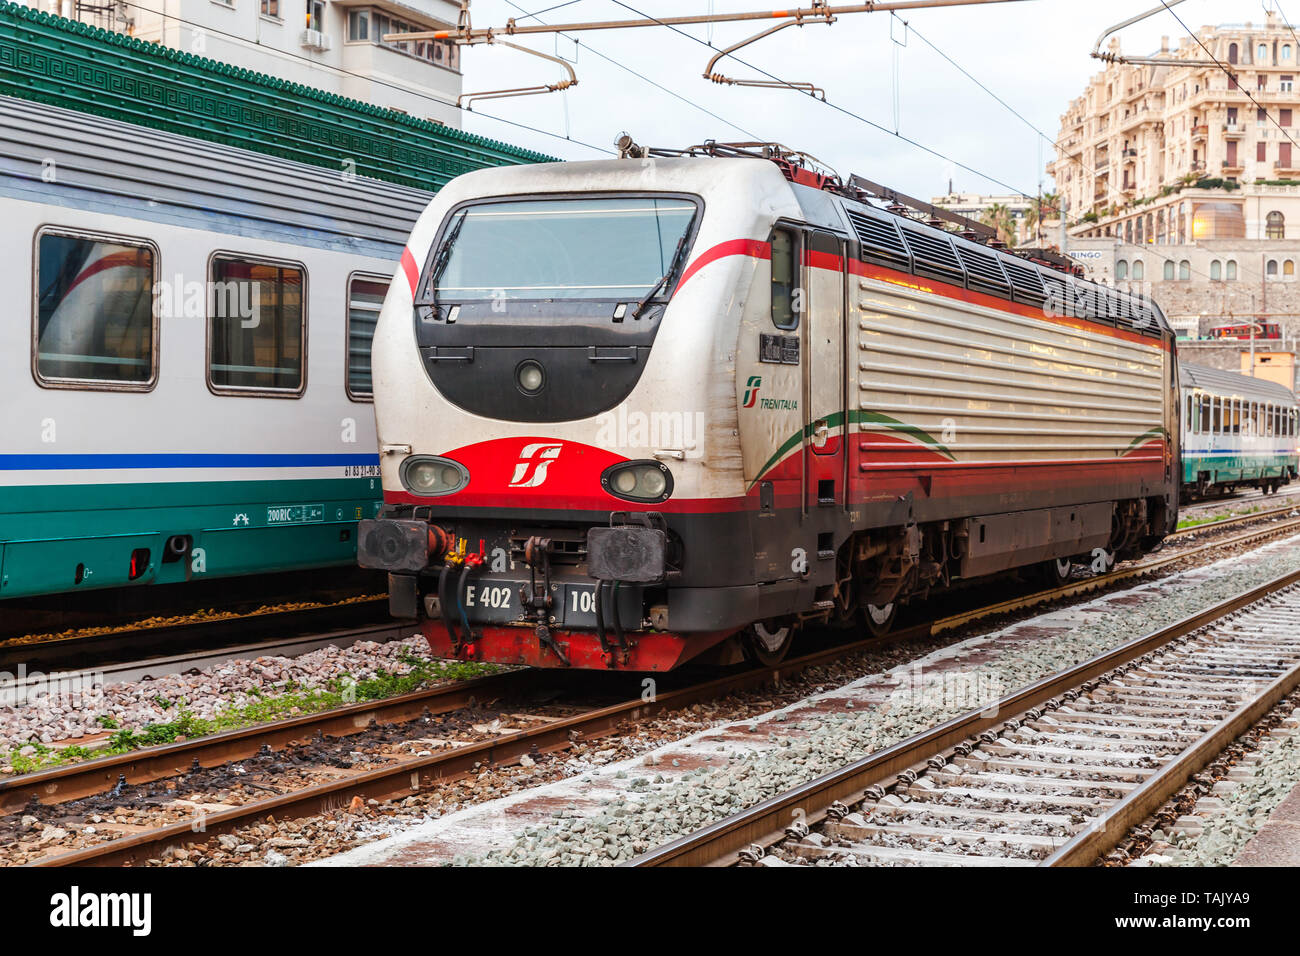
column 663, row 281
column 439, row 263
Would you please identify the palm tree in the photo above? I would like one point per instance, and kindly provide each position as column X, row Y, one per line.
column 1044, row 208
column 998, row 217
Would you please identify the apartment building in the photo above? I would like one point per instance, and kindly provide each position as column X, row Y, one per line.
column 334, row 45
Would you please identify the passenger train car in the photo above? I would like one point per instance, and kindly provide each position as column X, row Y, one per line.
column 1238, row 432
column 186, row 375
column 633, row 410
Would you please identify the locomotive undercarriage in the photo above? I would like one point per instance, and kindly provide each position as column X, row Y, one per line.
column 614, row 595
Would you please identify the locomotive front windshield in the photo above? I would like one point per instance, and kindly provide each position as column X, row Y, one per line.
column 606, row 248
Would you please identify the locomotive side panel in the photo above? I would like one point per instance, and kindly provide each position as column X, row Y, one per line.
column 970, row 408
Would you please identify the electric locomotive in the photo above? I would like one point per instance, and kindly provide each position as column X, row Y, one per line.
column 631, row 411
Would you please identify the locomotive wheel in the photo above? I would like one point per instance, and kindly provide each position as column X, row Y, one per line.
column 880, row 618
column 1055, row 572
column 767, row 644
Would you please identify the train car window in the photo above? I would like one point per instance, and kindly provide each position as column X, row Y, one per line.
column 95, row 324
column 365, row 299
column 1188, row 418
column 785, row 292
column 257, row 326
column 1216, row 415
column 1205, row 415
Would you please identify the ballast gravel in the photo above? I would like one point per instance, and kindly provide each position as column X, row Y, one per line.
column 74, row 709
column 1242, row 809
column 614, row 813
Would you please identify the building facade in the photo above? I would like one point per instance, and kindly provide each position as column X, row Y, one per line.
column 334, row 45
column 980, row 208
column 1177, row 149
column 1173, row 182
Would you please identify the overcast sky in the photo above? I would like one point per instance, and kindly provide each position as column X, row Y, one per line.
column 1034, row 54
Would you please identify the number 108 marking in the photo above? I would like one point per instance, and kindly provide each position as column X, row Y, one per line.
column 583, row 601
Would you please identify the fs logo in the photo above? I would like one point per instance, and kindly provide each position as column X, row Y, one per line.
column 751, row 390
column 534, row 459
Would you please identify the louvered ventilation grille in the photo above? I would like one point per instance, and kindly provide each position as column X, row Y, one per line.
column 933, row 255
column 983, row 271
column 1026, row 283
column 880, row 240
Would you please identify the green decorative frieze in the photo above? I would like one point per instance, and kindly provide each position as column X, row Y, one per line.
column 50, row 59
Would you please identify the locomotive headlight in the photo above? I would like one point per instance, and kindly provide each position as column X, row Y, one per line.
column 530, row 377
column 428, row 476
column 639, row 481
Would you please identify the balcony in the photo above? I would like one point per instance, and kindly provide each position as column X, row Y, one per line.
column 1200, row 132
column 1234, row 130
column 1285, row 170
column 1233, row 169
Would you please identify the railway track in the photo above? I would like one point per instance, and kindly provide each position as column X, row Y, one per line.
column 402, row 778
column 129, row 643
column 80, row 780
column 1089, row 753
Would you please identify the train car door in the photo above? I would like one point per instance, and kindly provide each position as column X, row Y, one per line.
column 824, row 380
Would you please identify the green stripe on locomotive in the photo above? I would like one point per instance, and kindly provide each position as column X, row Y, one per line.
column 51, row 536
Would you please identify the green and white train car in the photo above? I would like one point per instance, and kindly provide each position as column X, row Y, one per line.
column 186, row 359
column 1238, row 431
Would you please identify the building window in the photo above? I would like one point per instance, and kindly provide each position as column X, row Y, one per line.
column 358, row 25
column 1270, row 270
column 95, row 319
column 316, row 15
column 1216, row 270
column 365, row 299
column 257, row 326
column 1261, row 152
column 1275, row 227
column 1286, row 52
column 1287, row 83
column 1184, row 270
column 271, row 8
column 1288, row 269
column 1232, row 53
column 1169, row 270
column 1261, row 116
column 1232, row 270
column 1139, row 270
column 1121, row 269
column 372, row 25
column 1284, row 117
column 1261, row 57
column 1128, row 231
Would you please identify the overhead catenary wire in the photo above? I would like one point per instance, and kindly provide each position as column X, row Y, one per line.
column 205, row 29
column 1062, row 151
column 627, row 69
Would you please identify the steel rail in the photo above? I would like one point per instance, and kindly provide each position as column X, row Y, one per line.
column 1107, row 831
column 404, row 777
column 764, row 823
column 208, row 633
column 75, row 781
column 1114, row 577
column 90, row 777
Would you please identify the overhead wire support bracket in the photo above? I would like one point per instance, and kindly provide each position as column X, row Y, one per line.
column 1107, row 57
column 824, row 16
column 465, row 99
column 465, row 34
